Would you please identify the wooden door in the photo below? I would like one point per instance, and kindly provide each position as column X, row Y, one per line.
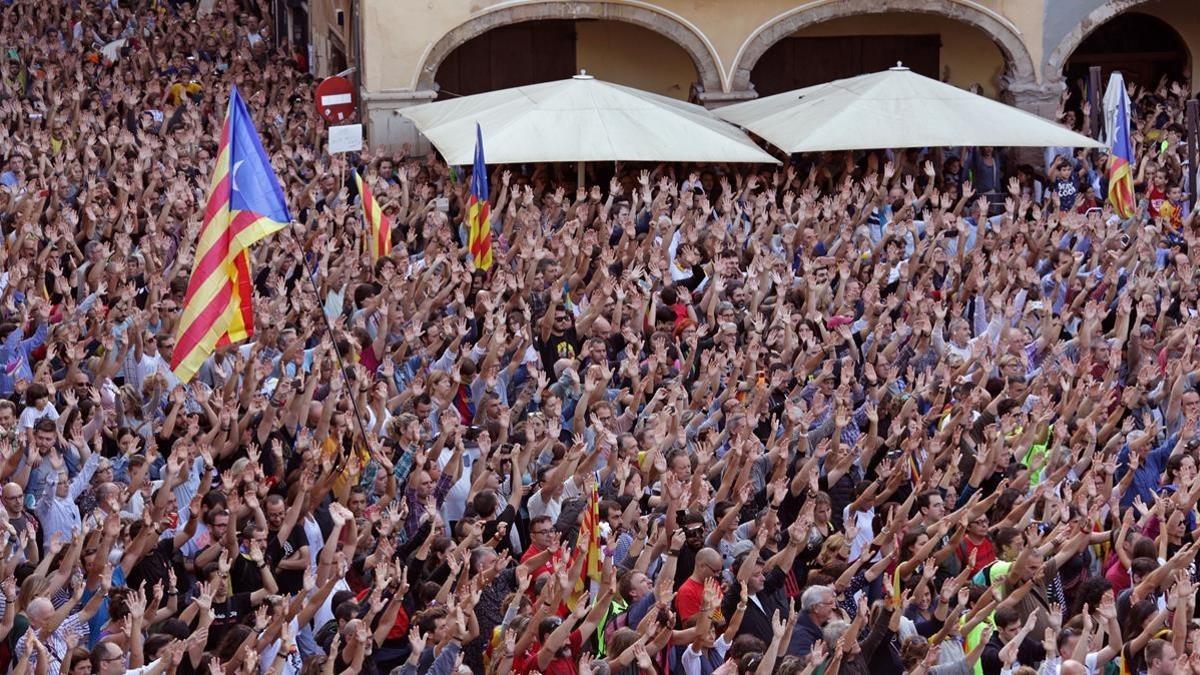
column 509, row 56
column 798, row 62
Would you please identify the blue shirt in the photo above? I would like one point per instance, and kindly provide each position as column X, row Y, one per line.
column 14, row 356
column 96, row 623
column 1148, row 474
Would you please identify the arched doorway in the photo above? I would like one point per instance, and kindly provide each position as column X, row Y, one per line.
column 1018, row 64
column 934, row 46
column 641, row 59
column 541, row 51
column 509, row 56
column 1143, row 47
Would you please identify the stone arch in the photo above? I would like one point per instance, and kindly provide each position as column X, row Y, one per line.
column 1071, row 41
column 1006, row 35
column 673, row 27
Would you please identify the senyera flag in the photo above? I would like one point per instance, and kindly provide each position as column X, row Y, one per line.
column 1120, row 158
column 245, row 203
column 379, row 235
column 588, row 545
column 479, row 217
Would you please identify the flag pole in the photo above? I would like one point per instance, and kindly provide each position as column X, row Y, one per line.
column 312, row 280
column 1193, row 127
column 1095, row 101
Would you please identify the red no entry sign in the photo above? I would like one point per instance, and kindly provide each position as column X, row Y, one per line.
column 335, row 99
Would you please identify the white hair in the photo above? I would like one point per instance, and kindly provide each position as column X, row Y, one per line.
column 834, row 630
column 813, row 595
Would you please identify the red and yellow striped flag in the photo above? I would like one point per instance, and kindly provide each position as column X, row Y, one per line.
column 588, row 544
column 379, row 237
column 479, row 217
column 245, row 203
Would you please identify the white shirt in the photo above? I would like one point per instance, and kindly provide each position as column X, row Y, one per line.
column 325, row 613
column 144, row 669
column 30, row 415
column 865, row 521
column 316, row 541
column 691, row 657
column 538, row 506
column 148, row 367
column 454, row 506
column 291, row 663
column 134, row 506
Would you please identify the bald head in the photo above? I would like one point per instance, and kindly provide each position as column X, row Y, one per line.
column 708, row 564
column 13, row 496
column 106, row 491
column 39, row 611
column 1070, row 667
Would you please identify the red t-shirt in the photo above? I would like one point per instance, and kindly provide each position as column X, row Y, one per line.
column 547, row 568
column 1155, row 197
column 1116, row 573
column 985, row 553
column 688, row 599
column 559, row 665
column 399, row 629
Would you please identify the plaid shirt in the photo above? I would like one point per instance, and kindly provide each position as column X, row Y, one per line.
column 416, row 509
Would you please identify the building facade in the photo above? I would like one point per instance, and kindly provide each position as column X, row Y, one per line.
column 714, row 52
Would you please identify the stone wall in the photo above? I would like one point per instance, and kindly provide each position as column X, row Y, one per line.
column 406, row 40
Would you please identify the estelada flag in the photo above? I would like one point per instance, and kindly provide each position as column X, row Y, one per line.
column 1120, row 158
column 245, row 203
column 479, row 217
column 379, row 228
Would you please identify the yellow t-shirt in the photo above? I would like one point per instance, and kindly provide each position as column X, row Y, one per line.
column 350, row 476
column 177, row 91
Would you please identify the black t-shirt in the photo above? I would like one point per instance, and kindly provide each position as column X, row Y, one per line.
column 564, row 345
column 226, row 615
column 153, row 566
column 289, row 581
column 244, row 575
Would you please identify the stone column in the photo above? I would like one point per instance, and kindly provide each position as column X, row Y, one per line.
column 386, row 128
column 719, row 99
column 1038, row 98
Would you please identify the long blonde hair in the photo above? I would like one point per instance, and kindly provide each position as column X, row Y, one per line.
column 34, row 586
column 830, row 549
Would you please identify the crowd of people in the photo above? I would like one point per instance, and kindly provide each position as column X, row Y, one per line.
column 892, row 412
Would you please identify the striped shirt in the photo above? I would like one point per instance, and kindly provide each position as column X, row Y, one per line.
column 56, row 645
